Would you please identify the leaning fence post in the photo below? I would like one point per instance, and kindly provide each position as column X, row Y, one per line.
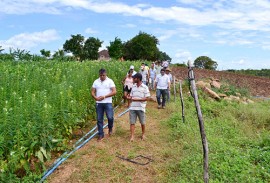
column 200, row 119
column 174, row 89
column 182, row 101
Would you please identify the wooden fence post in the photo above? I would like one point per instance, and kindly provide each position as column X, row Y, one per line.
column 200, row 119
column 174, row 89
column 182, row 101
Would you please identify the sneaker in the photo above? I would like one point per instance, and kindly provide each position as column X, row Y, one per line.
column 159, row 106
column 163, row 107
column 110, row 131
column 100, row 138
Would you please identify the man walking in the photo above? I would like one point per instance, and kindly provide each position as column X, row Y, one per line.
column 102, row 91
column 138, row 96
column 162, row 85
column 167, row 72
column 145, row 74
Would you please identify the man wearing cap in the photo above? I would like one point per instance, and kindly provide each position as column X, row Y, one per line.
column 131, row 69
column 138, row 96
column 102, row 91
column 162, row 85
column 168, row 73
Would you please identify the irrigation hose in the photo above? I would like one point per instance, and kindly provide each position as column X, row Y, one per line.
column 65, row 155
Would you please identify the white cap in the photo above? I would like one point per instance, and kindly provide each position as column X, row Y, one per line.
column 131, row 67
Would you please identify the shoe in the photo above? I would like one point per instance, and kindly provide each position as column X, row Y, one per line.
column 100, row 138
column 159, row 106
column 163, row 107
column 110, row 131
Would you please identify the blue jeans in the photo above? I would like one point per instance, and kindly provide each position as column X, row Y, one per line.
column 100, row 109
column 163, row 93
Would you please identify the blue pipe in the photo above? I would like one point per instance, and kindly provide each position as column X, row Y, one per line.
column 66, row 155
column 49, row 172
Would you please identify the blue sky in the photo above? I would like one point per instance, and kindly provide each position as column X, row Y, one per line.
column 234, row 33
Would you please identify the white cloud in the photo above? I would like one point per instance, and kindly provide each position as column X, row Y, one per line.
column 90, row 31
column 239, row 62
column 30, row 40
column 231, row 14
column 167, row 34
column 129, row 25
column 182, row 56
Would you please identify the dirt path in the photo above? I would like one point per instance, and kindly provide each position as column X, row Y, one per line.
column 97, row 161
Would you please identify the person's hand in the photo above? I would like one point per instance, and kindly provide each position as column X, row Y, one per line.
column 129, row 97
column 100, row 98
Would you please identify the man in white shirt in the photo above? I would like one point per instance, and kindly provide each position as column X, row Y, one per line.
column 102, row 91
column 138, row 96
column 162, row 85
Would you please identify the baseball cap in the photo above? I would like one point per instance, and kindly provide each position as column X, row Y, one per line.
column 131, row 67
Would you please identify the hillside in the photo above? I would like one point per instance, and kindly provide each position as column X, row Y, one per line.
column 258, row 86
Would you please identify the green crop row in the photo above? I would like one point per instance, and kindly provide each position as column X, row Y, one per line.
column 41, row 104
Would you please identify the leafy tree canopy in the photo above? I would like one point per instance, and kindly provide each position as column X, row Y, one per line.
column 142, row 46
column 90, row 48
column 116, row 48
column 45, row 53
column 82, row 49
column 164, row 56
column 205, row 62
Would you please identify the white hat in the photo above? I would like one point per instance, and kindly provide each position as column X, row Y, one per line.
column 131, row 67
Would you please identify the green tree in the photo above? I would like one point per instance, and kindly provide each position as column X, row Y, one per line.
column 75, row 45
column 82, row 49
column 91, row 47
column 142, row 46
column 205, row 62
column 164, row 56
column 116, row 48
column 45, row 53
column 59, row 53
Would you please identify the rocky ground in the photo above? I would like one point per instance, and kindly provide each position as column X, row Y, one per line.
column 258, row 86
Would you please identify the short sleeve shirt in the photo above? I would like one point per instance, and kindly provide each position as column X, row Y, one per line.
column 103, row 88
column 162, row 81
column 144, row 74
column 139, row 92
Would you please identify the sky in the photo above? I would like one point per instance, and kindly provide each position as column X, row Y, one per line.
column 234, row 33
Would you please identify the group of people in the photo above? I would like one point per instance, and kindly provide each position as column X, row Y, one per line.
column 136, row 91
column 157, row 77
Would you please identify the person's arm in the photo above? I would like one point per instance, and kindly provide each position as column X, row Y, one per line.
column 113, row 92
column 123, row 81
column 169, row 84
column 93, row 93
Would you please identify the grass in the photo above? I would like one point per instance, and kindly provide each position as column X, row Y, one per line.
column 238, row 138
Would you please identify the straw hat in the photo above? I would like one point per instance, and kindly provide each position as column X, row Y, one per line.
column 168, row 69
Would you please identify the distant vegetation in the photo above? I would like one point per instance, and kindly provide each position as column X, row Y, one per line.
column 262, row 72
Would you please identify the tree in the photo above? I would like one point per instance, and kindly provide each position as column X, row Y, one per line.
column 205, row 62
column 83, row 49
column 164, row 56
column 45, row 53
column 142, row 46
column 75, row 45
column 91, row 47
column 116, row 48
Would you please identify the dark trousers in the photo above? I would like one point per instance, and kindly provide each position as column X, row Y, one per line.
column 163, row 93
column 100, row 109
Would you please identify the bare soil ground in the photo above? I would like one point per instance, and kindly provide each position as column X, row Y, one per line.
column 258, row 86
column 98, row 161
